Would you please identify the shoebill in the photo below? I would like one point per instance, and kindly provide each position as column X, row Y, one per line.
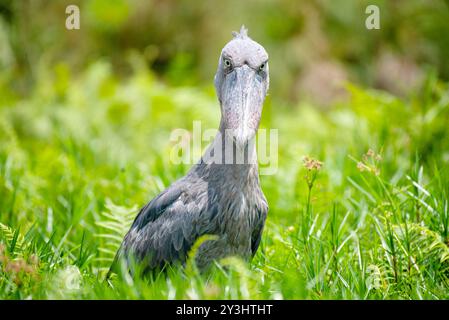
column 220, row 195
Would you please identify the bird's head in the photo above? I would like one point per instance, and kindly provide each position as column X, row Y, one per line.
column 241, row 83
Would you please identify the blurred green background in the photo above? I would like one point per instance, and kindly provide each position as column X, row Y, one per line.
column 313, row 45
column 86, row 116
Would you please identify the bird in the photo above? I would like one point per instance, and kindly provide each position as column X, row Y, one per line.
column 221, row 194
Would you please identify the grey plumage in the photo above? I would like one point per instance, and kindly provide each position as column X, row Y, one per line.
column 215, row 197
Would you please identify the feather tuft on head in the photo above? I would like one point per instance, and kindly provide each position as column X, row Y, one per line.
column 243, row 34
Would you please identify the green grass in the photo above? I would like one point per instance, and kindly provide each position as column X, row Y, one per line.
column 80, row 155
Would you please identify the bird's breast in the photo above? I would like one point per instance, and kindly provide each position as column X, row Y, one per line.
column 236, row 219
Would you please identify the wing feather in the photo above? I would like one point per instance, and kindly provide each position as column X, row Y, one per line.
column 256, row 235
column 164, row 230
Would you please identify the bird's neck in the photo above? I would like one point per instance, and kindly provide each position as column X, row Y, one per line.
column 224, row 158
column 226, row 151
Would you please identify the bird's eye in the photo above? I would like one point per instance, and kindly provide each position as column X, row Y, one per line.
column 227, row 63
column 262, row 67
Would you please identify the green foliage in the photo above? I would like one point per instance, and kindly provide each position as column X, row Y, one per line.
column 370, row 221
column 113, row 225
column 181, row 40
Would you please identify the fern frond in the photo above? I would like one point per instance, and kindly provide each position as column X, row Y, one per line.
column 13, row 238
column 115, row 222
column 429, row 243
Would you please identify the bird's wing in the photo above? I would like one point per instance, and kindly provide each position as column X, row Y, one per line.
column 156, row 207
column 262, row 210
column 167, row 227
